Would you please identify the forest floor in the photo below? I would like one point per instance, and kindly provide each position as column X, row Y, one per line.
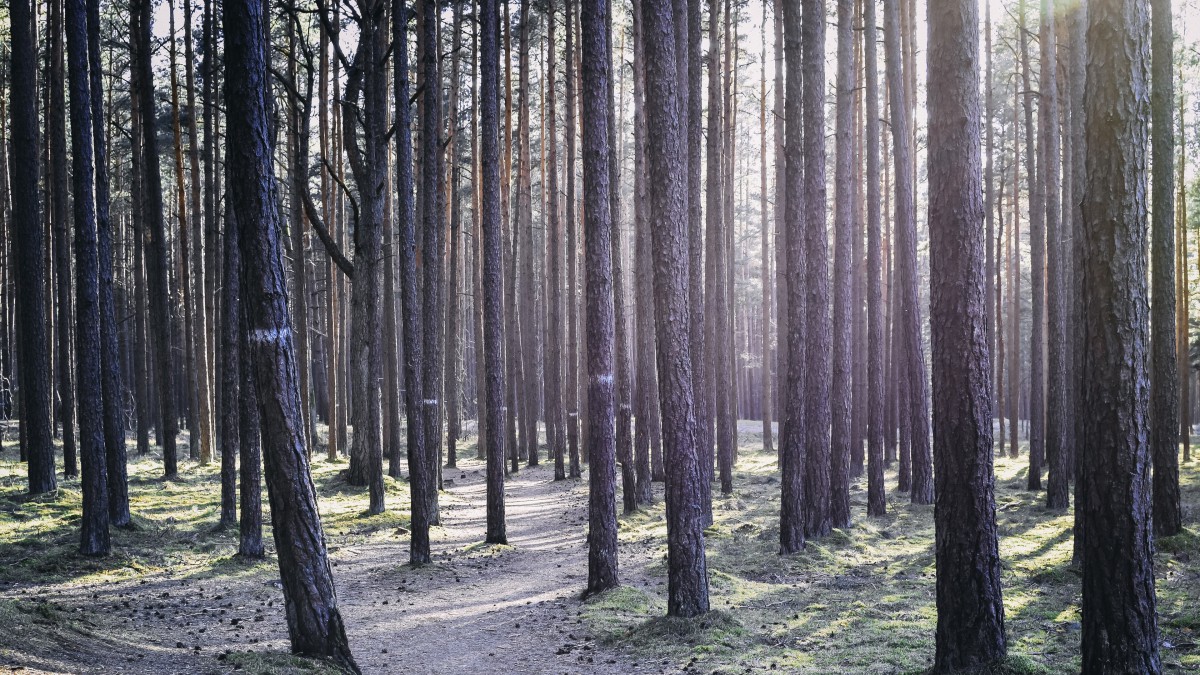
column 174, row 598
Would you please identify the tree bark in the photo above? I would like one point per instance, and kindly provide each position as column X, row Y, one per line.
column 1119, row 632
column 687, row 587
column 314, row 623
column 876, row 323
column 970, row 606
column 1164, row 378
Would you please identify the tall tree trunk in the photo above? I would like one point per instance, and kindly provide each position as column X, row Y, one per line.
column 598, row 266
column 876, row 321
column 453, row 337
column 572, row 398
column 1164, row 378
column 713, row 366
column 155, row 242
column 110, row 362
column 493, row 260
column 432, row 212
column 94, row 538
column 555, row 437
column 765, row 262
column 1037, row 268
column 912, row 359
column 816, row 253
column 843, row 330
column 687, row 588
column 1058, row 418
column 970, row 606
column 314, row 623
column 1119, row 632
column 60, row 226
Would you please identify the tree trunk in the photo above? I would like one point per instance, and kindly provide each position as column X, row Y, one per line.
column 792, row 511
column 1034, row 170
column 314, row 623
column 1164, row 377
column 970, row 607
column 911, row 360
column 843, row 329
column 687, row 589
column 876, row 323
column 493, row 261
column 1058, row 419
column 94, row 539
column 816, row 253
column 155, row 242
column 1119, row 631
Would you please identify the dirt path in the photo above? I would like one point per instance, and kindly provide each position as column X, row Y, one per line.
column 481, row 609
column 476, row 609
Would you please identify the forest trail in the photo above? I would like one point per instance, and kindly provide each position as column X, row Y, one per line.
column 480, row 609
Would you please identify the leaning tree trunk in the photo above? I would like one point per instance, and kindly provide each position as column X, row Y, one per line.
column 970, row 608
column 314, row 623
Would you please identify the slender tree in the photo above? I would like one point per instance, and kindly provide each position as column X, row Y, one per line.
column 493, row 259
column 1164, row 378
column 842, row 341
column 155, row 240
column 876, row 503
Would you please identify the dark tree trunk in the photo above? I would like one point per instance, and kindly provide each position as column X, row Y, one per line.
column 94, row 538
column 816, row 254
column 1119, row 631
column 420, row 480
column 876, row 324
column 970, row 607
column 454, row 338
column 156, row 245
column 792, row 514
column 714, row 365
column 432, row 213
column 232, row 405
column 572, row 397
column 687, row 588
column 1164, row 370
column 493, row 260
column 527, row 290
column 57, row 196
column 314, row 624
column 250, row 543
column 110, row 361
column 598, row 267
column 29, row 246
column 843, row 336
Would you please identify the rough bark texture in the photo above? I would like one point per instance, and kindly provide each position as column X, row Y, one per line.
column 876, row 325
column 791, row 438
column 231, row 402
column 1164, row 370
column 687, row 574
column 1037, row 270
column 970, row 616
column 842, row 345
column 94, row 539
column 555, row 425
column 1057, row 418
column 713, row 367
column 1119, row 630
column 314, row 623
column 420, row 481
column 600, row 441
column 493, row 259
column 816, row 254
column 110, row 361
